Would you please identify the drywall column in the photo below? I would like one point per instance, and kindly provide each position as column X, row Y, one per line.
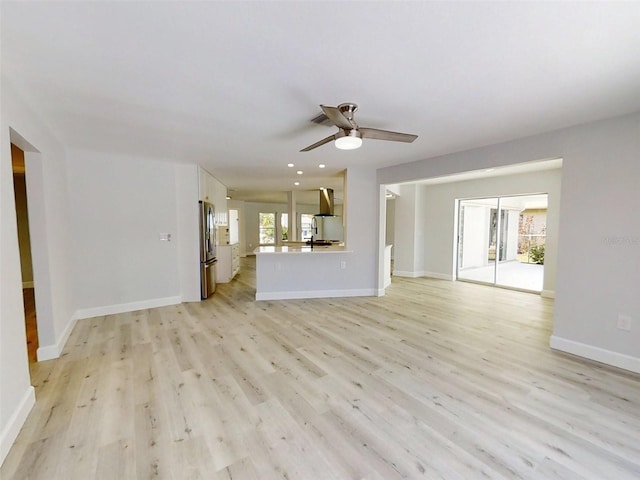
column 404, row 234
column 292, row 212
column 187, row 231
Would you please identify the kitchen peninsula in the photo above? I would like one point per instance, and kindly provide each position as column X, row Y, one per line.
column 302, row 271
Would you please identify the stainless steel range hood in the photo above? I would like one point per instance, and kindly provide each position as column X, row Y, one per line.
column 326, row 203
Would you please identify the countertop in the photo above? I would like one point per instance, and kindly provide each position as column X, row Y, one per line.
column 339, row 248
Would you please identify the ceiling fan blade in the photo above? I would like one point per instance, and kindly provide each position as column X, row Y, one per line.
column 336, row 116
column 320, row 143
column 386, row 135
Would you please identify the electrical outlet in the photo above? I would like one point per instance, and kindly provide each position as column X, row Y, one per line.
column 343, row 264
column 624, row 322
column 278, row 267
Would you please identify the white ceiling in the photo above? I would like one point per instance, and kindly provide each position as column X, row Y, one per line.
column 233, row 85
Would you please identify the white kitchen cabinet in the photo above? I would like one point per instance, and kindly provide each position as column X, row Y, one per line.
column 235, row 259
column 213, row 191
column 228, row 262
column 207, row 184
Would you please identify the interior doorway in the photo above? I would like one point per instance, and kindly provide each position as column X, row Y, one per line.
column 501, row 241
column 24, row 241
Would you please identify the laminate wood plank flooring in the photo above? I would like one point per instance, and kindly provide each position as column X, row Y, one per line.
column 31, row 323
column 435, row 380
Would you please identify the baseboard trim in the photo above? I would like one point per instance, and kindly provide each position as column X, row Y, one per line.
column 422, row 273
column 548, row 293
column 439, row 276
column 27, row 284
column 598, row 354
column 126, row 307
column 49, row 352
column 372, row 292
column 16, row 421
column 401, row 273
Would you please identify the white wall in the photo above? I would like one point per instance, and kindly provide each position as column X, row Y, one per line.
column 404, row 263
column 410, row 230
column 120, row 205
column 361, row 211
column 598, row 254
column 188, row 231
column 390, row 224
column 49, row 225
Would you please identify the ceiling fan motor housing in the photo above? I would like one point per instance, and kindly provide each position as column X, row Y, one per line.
column 349, row 135
column 348, row 109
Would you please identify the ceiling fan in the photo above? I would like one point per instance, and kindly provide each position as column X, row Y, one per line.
column 350, row 134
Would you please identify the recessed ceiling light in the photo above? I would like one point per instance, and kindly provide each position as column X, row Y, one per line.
column 299, row 172
column 296, row 183
column 322, row 165
column 290, row 165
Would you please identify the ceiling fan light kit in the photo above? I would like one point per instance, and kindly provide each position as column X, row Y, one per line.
column 349, row 142
column 349, row 136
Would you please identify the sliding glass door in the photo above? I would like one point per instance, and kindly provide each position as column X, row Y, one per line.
column 501, row 241
column 476, row 240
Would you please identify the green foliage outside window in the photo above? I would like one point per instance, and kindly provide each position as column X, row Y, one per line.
column 267, row 228
column 536, row 254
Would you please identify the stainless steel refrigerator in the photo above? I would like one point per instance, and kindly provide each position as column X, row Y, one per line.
column 207, row 249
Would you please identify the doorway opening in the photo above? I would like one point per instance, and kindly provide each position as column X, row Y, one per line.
column 24, row 241
column 501, row 241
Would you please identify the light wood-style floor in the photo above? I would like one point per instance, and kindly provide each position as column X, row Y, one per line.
column 434, row 380
column 31, row 323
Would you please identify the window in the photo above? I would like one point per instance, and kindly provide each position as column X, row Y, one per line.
column 306, row 223
column 284, row 226
column 267, row 228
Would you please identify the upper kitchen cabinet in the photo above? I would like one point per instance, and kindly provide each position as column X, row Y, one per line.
column 213, row 191
column 208, row 186
column 203, row 185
